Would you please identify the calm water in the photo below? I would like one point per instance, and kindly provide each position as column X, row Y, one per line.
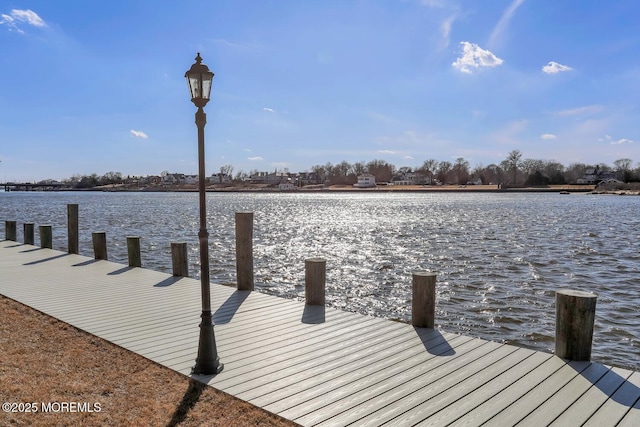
column 499, row 257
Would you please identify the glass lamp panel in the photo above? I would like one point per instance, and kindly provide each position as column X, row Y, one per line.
column 194, row 85
column 207, row 80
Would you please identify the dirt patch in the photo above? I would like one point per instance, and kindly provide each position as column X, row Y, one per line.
column 73, row 378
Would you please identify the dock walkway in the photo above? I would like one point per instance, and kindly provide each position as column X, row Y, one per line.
column 317, row 365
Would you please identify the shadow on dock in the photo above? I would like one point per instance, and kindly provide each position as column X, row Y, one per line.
column 168, row 281
column 434, row 342
column 40, row 261
column 228, row 309
column 313, row 314
column 30, row 250
column 85, row 263
column 120, row 271
column 15, row 246
column 609, row 382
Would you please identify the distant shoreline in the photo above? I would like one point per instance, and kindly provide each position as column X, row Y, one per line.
column 349, row 189
column 263, row 188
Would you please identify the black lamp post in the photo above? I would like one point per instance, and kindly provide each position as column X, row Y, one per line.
column 207, row 363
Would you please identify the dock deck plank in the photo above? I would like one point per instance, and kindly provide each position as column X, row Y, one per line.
column 318, row 365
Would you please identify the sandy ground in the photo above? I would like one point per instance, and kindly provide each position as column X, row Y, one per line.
column 48, row 365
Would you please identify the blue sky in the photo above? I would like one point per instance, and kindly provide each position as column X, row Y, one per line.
column 92, row 87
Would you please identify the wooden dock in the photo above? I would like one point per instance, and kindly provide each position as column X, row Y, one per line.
column 316, row 365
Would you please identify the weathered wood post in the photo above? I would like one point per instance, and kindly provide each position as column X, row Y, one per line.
column 46, row 236
column 315, row 275
column 10, row 232
column 99, row 245
column 29, row 237
column 244, row 250
column 72, row 228
column 133, row 250
column 423, row 303
column 575, row 315
column 179, row 259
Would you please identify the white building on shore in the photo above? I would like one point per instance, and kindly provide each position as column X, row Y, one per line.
column 365, row 181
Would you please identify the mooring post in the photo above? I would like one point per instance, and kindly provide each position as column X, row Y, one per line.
column 423, row 303
column 575, row 315
column 133, row 250
column 99, row 245
column 46, row 236
column 29, row 237
column 315, row 274
column 10, row 232
column 72, row 228
column 244, row 250
column 179, row 259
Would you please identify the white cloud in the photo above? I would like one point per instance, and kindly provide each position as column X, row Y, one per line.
column 386, row 152
column 434, row 3
column 580, row 111
column 548, row 136
column 408, row 158
column 269, row 110
column 504, row 21
column 445, row 30
column 241, row 46
column 28, row 16
column 139, row 134
column 473, row 56
column 18, row 16
column 554, row 68
column 255, row 159
column 620, row 141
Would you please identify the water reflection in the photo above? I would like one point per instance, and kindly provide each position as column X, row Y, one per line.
column 499, row 257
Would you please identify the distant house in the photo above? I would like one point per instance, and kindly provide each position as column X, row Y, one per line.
column 404, row 178
column 172, row 178
column 306, row 178
column 220, row 178
column 365, row 181
column 277, row 178
column 610, row 181
column 286, row 186
column 595, row 175
column 190, row 179
column 410, row 178
column 152, row 179
column 259, row 178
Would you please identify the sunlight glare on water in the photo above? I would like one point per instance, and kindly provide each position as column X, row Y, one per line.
column 499, row 258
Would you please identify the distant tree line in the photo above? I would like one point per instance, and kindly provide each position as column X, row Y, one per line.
column 93, row 180
column 513, row 170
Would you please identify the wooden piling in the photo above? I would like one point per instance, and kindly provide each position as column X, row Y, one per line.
column 179, row 259
column 29, row 237
column 315, row 274
column 46, row 236
column 133, row 250
column 72, row 228
column 575, row 315
column 423, row 303
column 10, row 231
column 244, row 250
column 99, row 245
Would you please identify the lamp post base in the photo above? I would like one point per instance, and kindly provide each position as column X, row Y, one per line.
column 207, row 362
